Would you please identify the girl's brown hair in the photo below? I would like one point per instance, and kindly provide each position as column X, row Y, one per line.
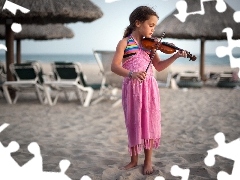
column 141, row 13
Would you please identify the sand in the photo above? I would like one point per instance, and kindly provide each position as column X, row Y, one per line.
column 94, row 139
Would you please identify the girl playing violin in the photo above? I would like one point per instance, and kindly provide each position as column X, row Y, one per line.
column 140, row 93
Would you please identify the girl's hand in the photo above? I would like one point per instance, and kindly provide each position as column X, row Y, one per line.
column 139, row 75
column 181, row 54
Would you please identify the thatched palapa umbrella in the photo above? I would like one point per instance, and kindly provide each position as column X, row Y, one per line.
column 44, row 12
column 204, row 27
column 38, row 32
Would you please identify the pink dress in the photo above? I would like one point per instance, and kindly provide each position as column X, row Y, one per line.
column 141, row 105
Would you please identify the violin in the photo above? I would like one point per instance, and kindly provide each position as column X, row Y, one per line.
column 150, row 43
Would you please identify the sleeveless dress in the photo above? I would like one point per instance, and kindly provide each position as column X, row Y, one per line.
column 141, row 103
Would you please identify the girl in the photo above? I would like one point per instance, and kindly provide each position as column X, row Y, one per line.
column 140, row 93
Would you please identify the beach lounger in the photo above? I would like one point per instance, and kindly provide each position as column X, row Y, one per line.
column 28, row 79
column 189, row 79
column 67, row 80
column 228, row 80
column 111, row 83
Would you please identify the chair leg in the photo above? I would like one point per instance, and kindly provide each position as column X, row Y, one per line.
column 16, row 98
column 88, row 97
column 39, row 94
column 6, row 94
column 47, row 91
column 47, row 94
column 79, row 95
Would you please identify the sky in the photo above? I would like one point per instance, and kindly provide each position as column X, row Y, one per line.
column 105, row 33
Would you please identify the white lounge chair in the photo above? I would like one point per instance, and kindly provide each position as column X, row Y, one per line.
column 111, row 83
column 28, row 79
column 68, row 80
column 228, row 80
column 189, row 79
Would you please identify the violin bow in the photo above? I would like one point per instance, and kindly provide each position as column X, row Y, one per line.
column 155, row 50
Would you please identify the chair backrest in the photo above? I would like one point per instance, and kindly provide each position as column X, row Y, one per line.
column 3, row 73
column 66, row 70
column 27, row 71
column 189, row 76
column 226, row 76
column 2, row 68
column 104, row 60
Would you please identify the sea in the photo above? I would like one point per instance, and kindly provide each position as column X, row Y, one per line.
column 210, row 59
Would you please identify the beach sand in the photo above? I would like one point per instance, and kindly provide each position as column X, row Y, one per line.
column 94, row 139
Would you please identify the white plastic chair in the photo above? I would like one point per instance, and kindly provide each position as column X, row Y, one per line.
column 67, row 80
column 28, row 79
column 189, row 79
column 111, row 83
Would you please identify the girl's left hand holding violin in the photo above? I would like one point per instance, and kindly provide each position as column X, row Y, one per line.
column 181, row 53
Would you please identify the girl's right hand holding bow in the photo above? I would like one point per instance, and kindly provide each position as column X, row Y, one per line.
column 141, row 75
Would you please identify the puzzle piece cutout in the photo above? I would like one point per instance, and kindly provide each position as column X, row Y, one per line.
column 64, row 165
column 228, row 150
column 222, row 51
column 33, row 169
column 159, row 178
column 182, row 9
column 236, row 16
column 85, row 178
column 2, row 46
column 7, row 163
column 4, row 126
column 16, row 27
column 34, row 165
column 111, row 1
column 177, row 171
column 12, row 7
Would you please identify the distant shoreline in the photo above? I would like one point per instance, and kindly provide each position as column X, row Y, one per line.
column 211, row 60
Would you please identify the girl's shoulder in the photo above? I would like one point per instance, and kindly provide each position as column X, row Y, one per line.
column 123, row 43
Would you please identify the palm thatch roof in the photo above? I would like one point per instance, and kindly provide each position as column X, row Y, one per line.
column 208, row 26
column 40, row 32
column 44, row 12
column 52, row 11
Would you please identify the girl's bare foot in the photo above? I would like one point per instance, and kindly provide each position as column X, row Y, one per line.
column 129, row 166
column 147, row 168
column 134, row 160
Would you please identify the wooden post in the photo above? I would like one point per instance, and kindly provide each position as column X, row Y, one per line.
column 9, row 54
column 203, row 78
column 10, row 48
column 18, row 54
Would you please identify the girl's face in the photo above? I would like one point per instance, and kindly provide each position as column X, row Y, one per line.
column 147, row 27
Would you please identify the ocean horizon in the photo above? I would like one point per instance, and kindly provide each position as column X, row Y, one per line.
column 210, row 59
